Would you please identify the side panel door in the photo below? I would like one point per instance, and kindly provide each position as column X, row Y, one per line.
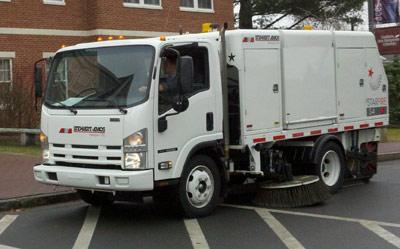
column 262, row 86
column 350, row 83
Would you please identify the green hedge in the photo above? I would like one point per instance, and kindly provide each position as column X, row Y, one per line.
column 393, row 74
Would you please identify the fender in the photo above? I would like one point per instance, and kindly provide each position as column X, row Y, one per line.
column 320, row 142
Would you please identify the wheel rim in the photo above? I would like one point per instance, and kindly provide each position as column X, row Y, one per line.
column 200, row 186
column 330, row 168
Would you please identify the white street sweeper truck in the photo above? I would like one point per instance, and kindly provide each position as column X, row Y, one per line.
column 189, row 114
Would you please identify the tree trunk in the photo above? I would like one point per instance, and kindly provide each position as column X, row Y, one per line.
column 245, row 15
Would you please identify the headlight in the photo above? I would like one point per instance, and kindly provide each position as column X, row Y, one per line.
column 135, row 147
column 45, row 147
column 135, row 160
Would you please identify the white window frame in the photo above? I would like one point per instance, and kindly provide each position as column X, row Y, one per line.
column 7, row 1
column 142, row 5
column 197, row 9
column 54, row 2
column 8, row 56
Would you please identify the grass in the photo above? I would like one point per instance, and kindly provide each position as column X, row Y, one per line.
column 14, row 147
column 393, row 134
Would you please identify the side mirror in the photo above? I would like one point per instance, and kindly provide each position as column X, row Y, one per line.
column 38, row 82
column 180, row 104
column 187, row 74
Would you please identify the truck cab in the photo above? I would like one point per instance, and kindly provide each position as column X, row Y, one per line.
column 107, row 124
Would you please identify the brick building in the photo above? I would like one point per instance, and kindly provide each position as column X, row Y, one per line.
column 30, row 30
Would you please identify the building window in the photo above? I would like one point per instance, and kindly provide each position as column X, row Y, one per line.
column 54, row 2
column 5, row 70
column 149, row 4
column 197, row 5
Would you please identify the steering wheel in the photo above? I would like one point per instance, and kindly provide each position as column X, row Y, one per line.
column 84, row 90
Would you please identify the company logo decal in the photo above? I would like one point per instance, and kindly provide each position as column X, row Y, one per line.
column 84, row 129
column 261, row 38
column 89, row 129
column 267, row 37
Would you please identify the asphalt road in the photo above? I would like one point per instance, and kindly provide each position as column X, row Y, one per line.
column 359, row 216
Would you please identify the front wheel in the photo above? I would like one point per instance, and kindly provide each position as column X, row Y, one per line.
column 199, row 187
column 331, row 166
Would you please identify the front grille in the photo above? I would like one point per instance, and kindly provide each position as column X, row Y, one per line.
column 93, row 147
column 113, row 147
column 88, row 166
column 87, row 156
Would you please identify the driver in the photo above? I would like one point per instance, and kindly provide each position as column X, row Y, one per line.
column 170, row 69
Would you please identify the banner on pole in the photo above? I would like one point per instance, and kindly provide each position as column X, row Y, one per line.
column 388, row 40
column 386, row 11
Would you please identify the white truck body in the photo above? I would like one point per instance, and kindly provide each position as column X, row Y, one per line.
column 293, row 86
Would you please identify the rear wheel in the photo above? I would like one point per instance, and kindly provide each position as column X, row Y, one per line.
column 199, row 187
column 96, row 198
column 331, row 166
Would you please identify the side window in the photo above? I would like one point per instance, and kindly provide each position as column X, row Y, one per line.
column 168, row 88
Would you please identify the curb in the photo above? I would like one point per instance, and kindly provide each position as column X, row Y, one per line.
column 388, row 156
column 37, row 200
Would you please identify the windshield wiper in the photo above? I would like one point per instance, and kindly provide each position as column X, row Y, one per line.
column 111, row 102
column 64, row 105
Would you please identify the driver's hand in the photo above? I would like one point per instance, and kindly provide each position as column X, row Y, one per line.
column 143, row 89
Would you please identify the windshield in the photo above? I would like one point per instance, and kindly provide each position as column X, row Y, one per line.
column 100, row 77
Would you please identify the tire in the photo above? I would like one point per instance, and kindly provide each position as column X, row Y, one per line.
column 330, row 167
column 199, row 187
column 96, row 198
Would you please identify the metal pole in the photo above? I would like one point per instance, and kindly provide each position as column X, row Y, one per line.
column 371, row 23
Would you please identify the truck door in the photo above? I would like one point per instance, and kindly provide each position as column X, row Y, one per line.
column 262, row 88
column 192, row 126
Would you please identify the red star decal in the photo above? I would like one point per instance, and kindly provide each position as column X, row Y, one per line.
column 370, row 72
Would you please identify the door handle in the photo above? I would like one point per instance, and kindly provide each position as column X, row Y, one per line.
column 210, row 121
column 275, row 88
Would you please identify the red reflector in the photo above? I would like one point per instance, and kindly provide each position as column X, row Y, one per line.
column 348, row 128
column 383, row 110
column 252, row 39
column 259, row 140
column 333, row 130
column 300, row 134
column 279, row 137
column 249, row 126
column 342, row 114
column 62, row 130
column 316, row 132
column 245, row 39
column 378, row 123
column 364, row 125
column 69, row 131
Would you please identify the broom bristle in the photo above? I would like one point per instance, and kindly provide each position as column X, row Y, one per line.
column 298, row 196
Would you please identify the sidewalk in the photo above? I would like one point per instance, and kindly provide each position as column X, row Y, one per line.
column 17, row 183
column 16, row 177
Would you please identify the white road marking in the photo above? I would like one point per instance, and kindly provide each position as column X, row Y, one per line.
column 6, row 221
column 383, row 233
column 286, row 237
column 87, row 230
column 322, row 216
column 7, row 247
column 196, row 234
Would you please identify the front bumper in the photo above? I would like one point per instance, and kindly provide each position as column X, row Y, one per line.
column 91, row 178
